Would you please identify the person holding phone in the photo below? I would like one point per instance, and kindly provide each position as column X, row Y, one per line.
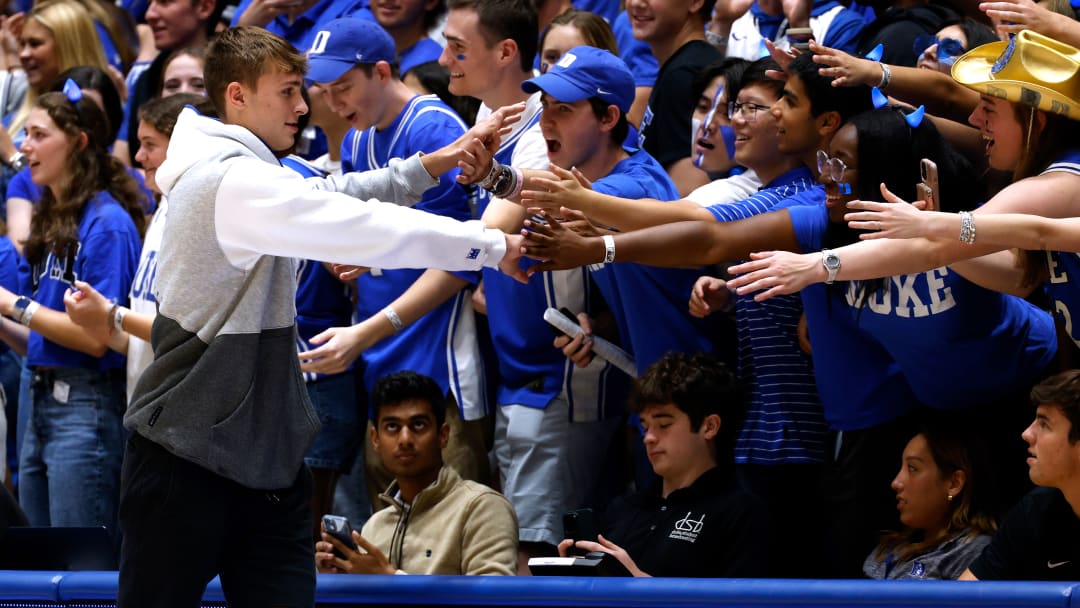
column 435, row 522
column 695, row 520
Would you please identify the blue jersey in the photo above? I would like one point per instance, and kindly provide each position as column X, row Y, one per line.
column 649, row 303
column 441, row 344
column 322, row 301
column 859, row 384
column 1063, row 284
column 784, row 419
column 106, row 255
column 9, row 274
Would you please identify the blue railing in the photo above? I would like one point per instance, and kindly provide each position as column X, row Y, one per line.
column 99, row 589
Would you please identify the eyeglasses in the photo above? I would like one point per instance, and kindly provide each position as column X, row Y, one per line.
column 834, row 168
column 748, row 111
column 948, row 49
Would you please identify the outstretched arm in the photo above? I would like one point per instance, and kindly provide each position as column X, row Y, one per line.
column 569, row 189
column 672, row 245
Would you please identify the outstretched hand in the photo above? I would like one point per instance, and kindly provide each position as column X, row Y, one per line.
column 1012, row 16
column 846, row 70
column 775, row 273
column 556, row 246
column 892, row 220
column 565, row 188
column 511, row 262
column 604, row 545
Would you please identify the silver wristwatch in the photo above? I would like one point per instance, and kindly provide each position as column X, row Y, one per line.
column 831, row 262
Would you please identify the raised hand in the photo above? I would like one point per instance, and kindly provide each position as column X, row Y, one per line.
column 709, row 295
column 565, row 188
column 775, row 273
column 846, row 70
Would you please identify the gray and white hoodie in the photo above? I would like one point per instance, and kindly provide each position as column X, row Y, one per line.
column 224, row 390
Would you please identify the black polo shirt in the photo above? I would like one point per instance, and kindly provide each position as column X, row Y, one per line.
column 1039, row 540
column 712, row 528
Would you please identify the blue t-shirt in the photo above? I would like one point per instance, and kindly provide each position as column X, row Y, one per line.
column 424, row 51
column 959, row 345
column 302, row 30
column 605, row 8
column 105, row 256
column 9, row 273
column 637, row 54
column 784, row 420
column 859, row 384
column 649, row 303
column 428, row 345
column 322, row 301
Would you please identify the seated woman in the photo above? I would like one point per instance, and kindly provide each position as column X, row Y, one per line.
column 945, row 495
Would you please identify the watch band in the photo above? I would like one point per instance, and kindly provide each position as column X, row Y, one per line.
column 831, row 262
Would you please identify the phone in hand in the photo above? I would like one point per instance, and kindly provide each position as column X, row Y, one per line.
column 579, row 524
column 928, row 189
column 339, row 527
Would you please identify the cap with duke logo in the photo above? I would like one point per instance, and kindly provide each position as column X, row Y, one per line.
column 585, row 72
column 343, row 43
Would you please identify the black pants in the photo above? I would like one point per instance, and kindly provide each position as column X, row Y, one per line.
column 182, row 525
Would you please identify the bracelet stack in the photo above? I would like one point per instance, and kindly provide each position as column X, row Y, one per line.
column 886, row 77
column 967, row 228
column 503, row 181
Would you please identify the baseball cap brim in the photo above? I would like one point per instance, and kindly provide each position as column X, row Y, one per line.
column 557, row 86
column 323, row 70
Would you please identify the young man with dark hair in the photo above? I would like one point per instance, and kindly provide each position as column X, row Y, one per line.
column 213, row 479
column 436, row 330
column 1040, row 537
column 695, row 521
column 675, row 30
column 490, row 49
column 437, row 522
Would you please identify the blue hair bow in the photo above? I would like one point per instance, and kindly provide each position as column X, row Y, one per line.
column 72, row 91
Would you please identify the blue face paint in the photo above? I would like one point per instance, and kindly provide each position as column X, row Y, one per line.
column 461, row 57
column 845, row 188
column 708, row 121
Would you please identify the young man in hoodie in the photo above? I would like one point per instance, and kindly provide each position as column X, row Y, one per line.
column 436, row 522
column 213, row 480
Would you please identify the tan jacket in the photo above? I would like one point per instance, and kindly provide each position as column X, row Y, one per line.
column 454, row 526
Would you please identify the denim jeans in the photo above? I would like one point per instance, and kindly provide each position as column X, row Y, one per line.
column 74, row 443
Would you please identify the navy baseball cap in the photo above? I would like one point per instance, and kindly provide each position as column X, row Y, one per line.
column 343, row 43
column 585, row 72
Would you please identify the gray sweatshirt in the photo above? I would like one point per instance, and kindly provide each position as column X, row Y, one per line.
column 224, row 390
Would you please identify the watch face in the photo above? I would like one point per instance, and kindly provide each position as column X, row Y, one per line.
column 832, row 261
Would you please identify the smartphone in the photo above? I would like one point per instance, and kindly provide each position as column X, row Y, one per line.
column 566, row 312
column 340, row 528
column 579, row 525
column 928, row 188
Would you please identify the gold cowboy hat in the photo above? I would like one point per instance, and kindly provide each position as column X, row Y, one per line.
column 1030, row 69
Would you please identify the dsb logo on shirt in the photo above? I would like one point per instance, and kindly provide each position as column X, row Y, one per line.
column 688, row 528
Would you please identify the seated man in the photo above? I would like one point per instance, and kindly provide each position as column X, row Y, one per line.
column 451, row 525
column 1040, row 537
column 695, row 521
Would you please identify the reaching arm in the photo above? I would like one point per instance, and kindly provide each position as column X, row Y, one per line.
column 672, row 245
column 1015, row 15
column 564, row 189
column 340, row 346
column 940, row 94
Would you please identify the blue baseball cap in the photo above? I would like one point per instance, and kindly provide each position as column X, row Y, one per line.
column 343, row 43
column 585, row 72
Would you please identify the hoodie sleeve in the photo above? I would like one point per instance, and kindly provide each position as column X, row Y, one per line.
column 262, row 209
column 403, row 182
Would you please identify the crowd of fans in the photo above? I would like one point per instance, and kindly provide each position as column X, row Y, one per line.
column 833, row 240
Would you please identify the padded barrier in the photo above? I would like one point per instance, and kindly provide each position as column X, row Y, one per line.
column 99, row 589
